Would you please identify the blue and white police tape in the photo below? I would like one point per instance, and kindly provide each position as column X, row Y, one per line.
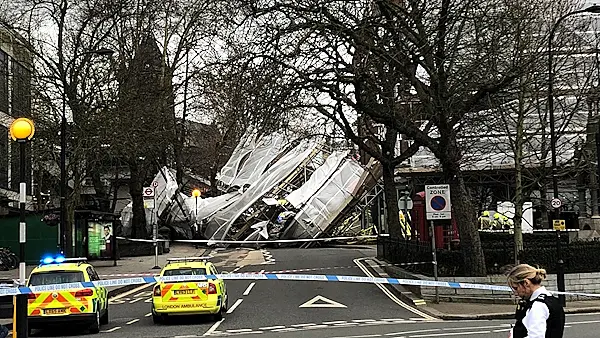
column 255, row 276
column 216, row 241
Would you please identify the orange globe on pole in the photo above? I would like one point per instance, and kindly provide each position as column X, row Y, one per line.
column 196, row 193
column 22, row 129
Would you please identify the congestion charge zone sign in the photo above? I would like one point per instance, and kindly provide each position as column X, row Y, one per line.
column 438, row 204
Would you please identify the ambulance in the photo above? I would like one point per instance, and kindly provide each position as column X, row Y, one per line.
column 86, row 306
column 179, row 293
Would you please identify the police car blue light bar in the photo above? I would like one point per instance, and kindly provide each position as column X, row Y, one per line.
column 58, row 259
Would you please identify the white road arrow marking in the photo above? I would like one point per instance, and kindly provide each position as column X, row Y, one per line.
column 325, row 303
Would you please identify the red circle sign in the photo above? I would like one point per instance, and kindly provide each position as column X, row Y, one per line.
column 148, row 191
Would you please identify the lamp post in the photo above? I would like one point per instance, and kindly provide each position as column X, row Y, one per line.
column 64, row 242
column 21, row 131
column 196, row 194
column 560, row 264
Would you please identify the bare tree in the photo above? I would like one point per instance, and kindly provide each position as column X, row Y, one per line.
column 68, row 79
column 405, row 65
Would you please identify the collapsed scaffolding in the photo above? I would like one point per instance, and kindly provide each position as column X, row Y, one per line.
column 272, row 188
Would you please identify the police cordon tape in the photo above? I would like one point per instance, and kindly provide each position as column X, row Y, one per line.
column 257, row 276
column 215, row 241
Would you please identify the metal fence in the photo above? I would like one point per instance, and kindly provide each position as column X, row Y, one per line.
column 538, row 250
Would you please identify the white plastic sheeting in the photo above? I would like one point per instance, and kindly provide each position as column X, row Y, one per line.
column 166, row 187
column 208, row 206
column 219, row 225
column 326, row 204
column 265, row 151
column 235, row 162
column 299, row 196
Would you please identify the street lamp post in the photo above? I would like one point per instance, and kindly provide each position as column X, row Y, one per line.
column 560, row 264
column 21, row 131
column 196, row 194
column 64, row 238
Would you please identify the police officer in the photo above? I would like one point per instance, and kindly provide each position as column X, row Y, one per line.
column 539, row 313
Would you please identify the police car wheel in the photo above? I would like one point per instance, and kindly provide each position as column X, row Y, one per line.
column 104, row 318
column 95, row 327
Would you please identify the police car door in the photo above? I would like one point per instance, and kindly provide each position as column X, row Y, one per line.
column 100, row 290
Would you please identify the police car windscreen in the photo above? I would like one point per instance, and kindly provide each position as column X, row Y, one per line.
column 185, row 272
column 55, row 277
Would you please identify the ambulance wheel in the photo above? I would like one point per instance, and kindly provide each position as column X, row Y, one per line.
column 104, row 318
column 95, row 327
column 158, row 319
column 219, row 315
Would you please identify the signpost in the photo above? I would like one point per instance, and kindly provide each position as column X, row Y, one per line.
column 148, row 193
column 438, row 206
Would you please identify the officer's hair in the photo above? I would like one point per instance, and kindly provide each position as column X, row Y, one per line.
column 522, row 272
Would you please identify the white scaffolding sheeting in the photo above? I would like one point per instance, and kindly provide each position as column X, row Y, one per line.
column 208, row 206
column 299, row 196
column 219, row 224
column 166, row 187
column 235, row 162
column 261, row 156
column 324, row 206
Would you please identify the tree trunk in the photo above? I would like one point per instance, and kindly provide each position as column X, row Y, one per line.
column 391, row 200
column 519, row 199
column 138, row 221
column 464, row 213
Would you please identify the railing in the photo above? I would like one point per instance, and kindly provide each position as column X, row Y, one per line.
column 498, row 249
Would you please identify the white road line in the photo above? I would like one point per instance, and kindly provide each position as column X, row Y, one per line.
column 476, row 327
column 136, row 300
column 409, row 332
column 271, row 327
column 148, row 314
column 450, row 334
column 315, row 327
column 502, row 330
column 132, row 321
column 239, row 330
column 238, row 268
column 261, row 272
column 289, row 329
column 213, row 328
column 247, row 292
column 302, row 325
column 131, row 291
column 391, row 295
column 585, row 322
column 363, row 320
column 363, row 336
column 113, row 329
column 336, row 322
column 235, row 305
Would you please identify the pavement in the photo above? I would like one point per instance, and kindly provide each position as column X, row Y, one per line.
column 294, row 309
column 468, row 311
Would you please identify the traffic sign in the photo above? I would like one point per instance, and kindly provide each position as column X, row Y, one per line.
column 155, row 184
column 559, row 224
column 149, row 203
column 438, row 205
column 148, row 192
column 556, row 203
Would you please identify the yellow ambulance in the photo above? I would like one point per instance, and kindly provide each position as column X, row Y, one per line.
column 189, row 296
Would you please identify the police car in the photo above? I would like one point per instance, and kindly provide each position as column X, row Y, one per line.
column 88, row 306
column 190, row 296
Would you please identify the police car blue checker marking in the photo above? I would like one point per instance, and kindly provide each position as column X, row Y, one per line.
column 255, row 276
